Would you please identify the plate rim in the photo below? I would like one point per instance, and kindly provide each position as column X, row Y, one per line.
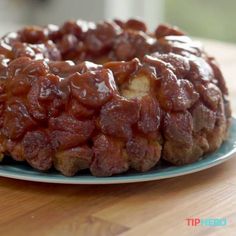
column 146, row 176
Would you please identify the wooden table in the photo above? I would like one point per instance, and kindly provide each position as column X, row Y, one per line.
column 151, row 208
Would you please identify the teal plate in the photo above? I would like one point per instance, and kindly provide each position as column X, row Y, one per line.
column 22, row 171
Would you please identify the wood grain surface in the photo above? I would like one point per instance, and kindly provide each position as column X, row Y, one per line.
column 151, row 208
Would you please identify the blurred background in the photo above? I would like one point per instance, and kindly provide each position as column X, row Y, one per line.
column 214, row 19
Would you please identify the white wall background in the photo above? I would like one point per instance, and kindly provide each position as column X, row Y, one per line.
column 151, row 11
column 14, row 13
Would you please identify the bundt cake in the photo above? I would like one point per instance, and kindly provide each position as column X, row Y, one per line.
column 108, row 97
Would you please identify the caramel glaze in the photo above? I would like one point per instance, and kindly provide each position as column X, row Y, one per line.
column 108, row 97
